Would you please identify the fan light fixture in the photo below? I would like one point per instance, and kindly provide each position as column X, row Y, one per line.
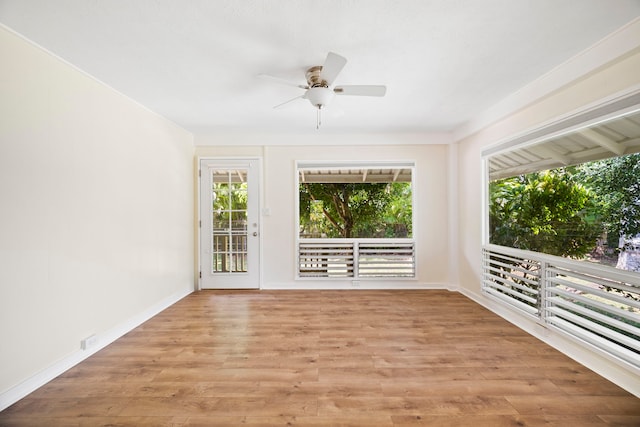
column 319, row 87
column 319, row 97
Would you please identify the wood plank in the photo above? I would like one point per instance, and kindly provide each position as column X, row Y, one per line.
column 433, row 405
column 498, row 421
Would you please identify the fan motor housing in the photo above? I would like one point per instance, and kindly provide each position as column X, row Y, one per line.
column 313, row 77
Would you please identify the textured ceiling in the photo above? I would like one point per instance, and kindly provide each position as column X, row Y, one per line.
column 196, row 62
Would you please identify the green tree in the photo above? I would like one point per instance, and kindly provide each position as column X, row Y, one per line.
column 546, row 212
column 399, row 214
column 229, row 203
column 354, row 209
column 616, row 184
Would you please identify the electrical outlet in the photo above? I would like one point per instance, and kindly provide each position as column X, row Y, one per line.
column 355, row 283
column 89, row 342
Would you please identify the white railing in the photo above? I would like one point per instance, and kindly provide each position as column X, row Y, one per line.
column 597, row 304
column 356, row 258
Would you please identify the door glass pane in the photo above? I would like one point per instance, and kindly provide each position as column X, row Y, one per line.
column 239, row 200
column 239, row 221
column 229, row 194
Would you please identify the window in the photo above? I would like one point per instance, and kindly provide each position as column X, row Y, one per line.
column 355, row 220
column 576, row 195
column 563, row 203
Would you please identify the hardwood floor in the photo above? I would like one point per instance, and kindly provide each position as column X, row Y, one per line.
column 335, row 358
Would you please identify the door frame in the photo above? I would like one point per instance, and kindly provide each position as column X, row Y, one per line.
column 198, row 223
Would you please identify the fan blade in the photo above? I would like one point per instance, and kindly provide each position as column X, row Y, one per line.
column 332, row 67
column 361, row 90
column 282, row 81
column 291, row 100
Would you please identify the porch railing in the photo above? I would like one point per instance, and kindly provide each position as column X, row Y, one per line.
column 596, row 304
column 356, row 258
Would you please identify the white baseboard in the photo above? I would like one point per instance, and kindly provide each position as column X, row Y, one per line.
column 617, row 371
column 105, row 338
column 312, row 284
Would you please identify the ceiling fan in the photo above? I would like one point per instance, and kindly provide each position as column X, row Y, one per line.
column 320, row 87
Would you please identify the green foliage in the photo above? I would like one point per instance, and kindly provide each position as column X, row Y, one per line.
column 355, row 209
column 616, row 184
column 229, row 202
column 229, row 196
column 546, row 212
column 399, row 213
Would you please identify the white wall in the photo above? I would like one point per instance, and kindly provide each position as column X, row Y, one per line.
column 617, row 77
column 280, row 193
column 96, row 211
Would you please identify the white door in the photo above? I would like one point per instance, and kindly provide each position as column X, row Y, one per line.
column 229, row 227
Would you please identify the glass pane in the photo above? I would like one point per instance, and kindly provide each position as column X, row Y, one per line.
column 229, row 220
column 222, row 258
column 221, row 187
column 239, row 221
column 220, row 243
column 238, row 186
column 221, row 221
column 220, row 200
column 239, row 262
column 219, row 177
column 352, row 204
column 239, row 200
column 239, row 243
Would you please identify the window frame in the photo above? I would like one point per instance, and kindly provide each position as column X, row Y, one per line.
column 353, row 165
column 584, row 119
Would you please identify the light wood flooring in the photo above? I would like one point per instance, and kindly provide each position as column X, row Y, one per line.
column 327, row 358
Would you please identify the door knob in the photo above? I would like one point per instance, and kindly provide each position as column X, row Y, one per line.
column 255, row 233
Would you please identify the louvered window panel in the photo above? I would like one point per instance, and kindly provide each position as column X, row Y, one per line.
column 512, row 279
column 386, row 260
column 349, row 258
column 325, row 260
column 601, row 311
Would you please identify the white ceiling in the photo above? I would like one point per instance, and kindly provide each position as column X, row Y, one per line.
column 196, row 62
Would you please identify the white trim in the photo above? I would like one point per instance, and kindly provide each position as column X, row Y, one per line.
column 261, row 199
column 611, row 368
column 612, row 47
column 105, row 338
column 296, row 219
column 415, row 224
column 198, row 263
column 484, row 194
column 453, row 212
column 348, row 285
